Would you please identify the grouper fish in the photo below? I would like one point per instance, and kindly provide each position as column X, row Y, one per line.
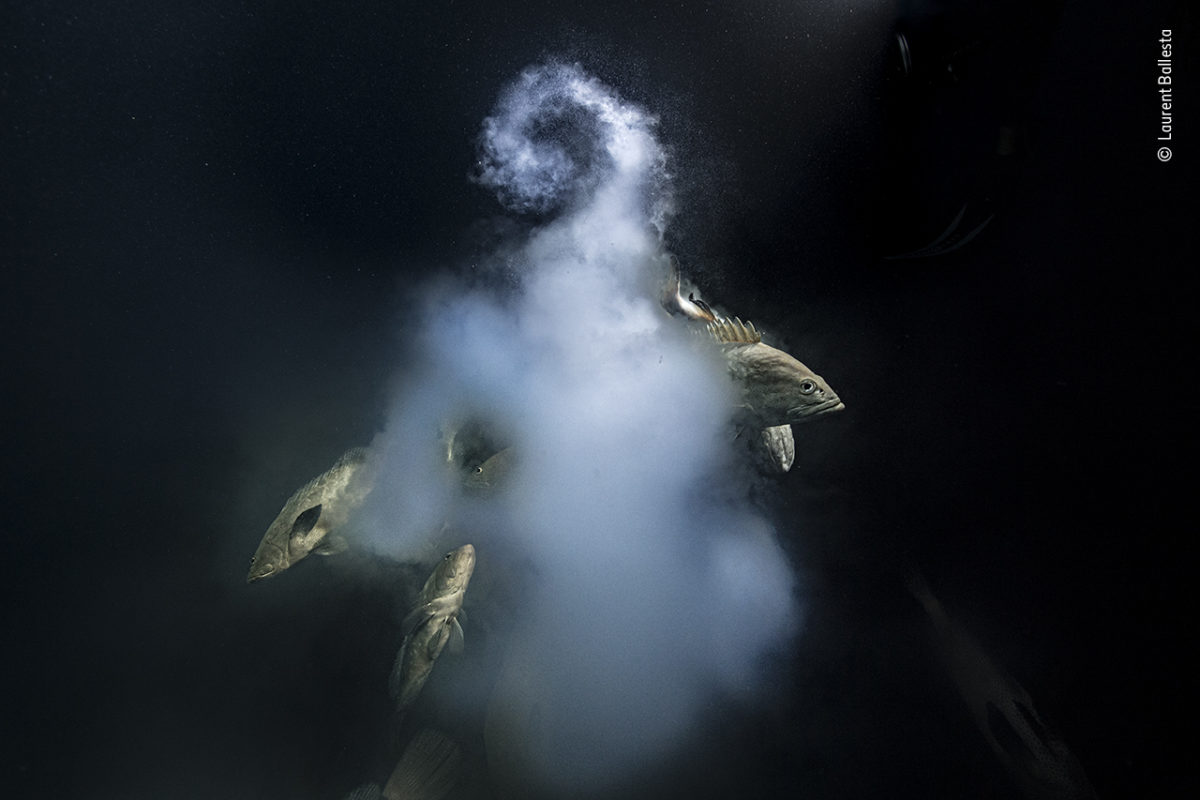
column 1035, row 757
column 431, row 625
column 775, row 447
column 312, row 516
column 776, row 388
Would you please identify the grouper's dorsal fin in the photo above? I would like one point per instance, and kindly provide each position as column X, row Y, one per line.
column 734, row 331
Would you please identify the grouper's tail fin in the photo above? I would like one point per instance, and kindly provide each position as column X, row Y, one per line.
column 428, row 770
column 675, row 303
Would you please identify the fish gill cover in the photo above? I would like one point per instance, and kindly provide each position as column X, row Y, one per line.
column 655, row 582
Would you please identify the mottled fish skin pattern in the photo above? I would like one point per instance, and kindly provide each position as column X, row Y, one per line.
column 431, row 624
column 310, row 515
column 776, row 388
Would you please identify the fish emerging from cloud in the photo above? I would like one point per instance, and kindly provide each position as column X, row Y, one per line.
column 431, row 625
column 312, row 517
column 776, row 388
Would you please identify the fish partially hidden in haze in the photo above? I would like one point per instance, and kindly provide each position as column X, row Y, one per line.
column 311, row 517
column 491, row 472
column 1034, row 756
column 775, row 446
column 428, row 770
column 431, row 625
column 776, row 388
column 465, row 440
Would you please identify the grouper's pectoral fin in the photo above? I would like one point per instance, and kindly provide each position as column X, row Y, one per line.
column 441, row 636
column 305, row 522
column 332, row 545
column 457, row 641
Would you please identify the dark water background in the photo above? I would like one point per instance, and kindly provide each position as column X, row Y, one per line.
column 211, row 217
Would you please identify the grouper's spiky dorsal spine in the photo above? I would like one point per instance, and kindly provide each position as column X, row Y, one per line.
column 734, row 331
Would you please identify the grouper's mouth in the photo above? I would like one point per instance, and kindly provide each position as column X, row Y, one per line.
column 258, row 575
column 261, row 569
column 805, row 413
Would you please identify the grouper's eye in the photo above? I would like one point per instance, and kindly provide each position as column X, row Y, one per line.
column 479, row 470
column 807, row 386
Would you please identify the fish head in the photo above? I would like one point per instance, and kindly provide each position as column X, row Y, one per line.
column 454, row 571
column 777, row 387
column 289, row 539
column 269, row 559
column 484, row 476
column 812, row 397
column 478, row 478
